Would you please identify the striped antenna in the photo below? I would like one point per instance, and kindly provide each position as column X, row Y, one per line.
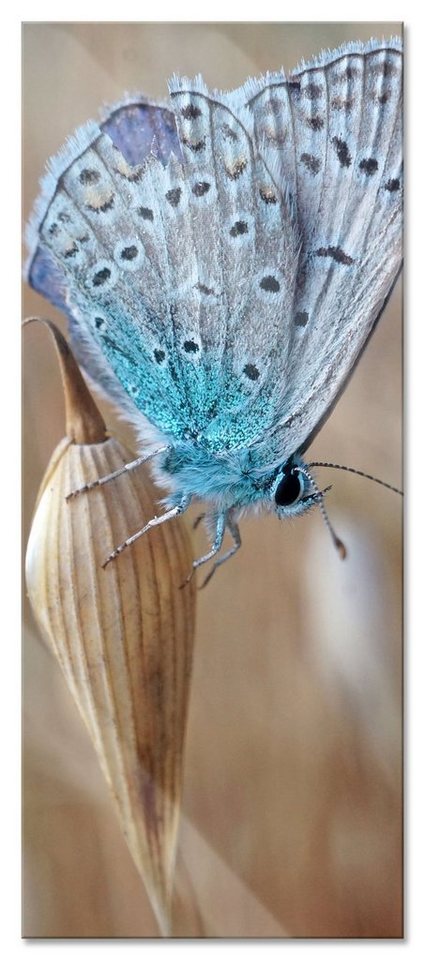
column 360, row 473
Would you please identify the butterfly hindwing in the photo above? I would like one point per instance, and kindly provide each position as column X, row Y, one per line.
column 99, row 227
column 177, row 271
column 137, row 128
column 244, row 248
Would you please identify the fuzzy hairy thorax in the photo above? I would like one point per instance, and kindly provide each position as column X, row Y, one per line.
column 227, row 480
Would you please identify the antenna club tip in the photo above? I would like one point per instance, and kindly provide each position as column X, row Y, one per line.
column 342, row 550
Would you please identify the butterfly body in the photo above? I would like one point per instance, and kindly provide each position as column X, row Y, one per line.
column 223, row 260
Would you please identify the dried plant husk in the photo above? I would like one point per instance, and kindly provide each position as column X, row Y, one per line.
column 123, row 635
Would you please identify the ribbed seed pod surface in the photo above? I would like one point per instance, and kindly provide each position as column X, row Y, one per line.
column 123, row 634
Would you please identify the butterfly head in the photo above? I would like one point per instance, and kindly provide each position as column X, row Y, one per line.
column 293, row 490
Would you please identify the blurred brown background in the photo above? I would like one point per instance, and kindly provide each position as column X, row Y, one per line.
column 292, row 803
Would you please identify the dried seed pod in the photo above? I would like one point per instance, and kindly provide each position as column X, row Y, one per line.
column 123, row 635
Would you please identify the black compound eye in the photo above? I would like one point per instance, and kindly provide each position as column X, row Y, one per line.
column 289, row 489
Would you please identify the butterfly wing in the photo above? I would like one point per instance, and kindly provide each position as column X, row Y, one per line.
column 335, row 129
column 138, row 129
column 162, row 266
column 232, row 289
column 318, row 158
column 244, row 248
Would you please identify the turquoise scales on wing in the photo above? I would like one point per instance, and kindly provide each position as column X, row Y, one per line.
column 224, row 258
column 160, row 282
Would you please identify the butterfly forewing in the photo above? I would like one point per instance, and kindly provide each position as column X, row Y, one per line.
column 338, row 140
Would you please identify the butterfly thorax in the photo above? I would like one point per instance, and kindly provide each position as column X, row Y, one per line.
column 231, row 480
column 227, row 478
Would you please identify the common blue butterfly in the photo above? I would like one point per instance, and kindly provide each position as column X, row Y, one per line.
column 223, row 259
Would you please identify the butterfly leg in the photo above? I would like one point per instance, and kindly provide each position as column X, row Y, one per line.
column 235, row 534
column 219, row 534
column 117, row 473
column 155, row 522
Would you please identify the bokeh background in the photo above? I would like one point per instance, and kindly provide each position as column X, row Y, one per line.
column 292, row 810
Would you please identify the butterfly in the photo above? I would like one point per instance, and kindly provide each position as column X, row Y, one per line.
column 223, row 259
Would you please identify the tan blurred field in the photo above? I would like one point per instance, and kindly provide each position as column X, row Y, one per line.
column 292, row 821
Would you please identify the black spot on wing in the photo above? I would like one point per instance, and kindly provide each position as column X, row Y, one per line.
column 316, row 123
column 229, row 134
column 342, row 151
column 190, row 346
column 351, row 73
column 89, row 176
column 239, row 227
column 129, row 253
column 204, row 289
column 368, row 166
column 301, row 318
column 389, row 69
column 313, row 91
column 101, row 277
column 173, row 196
column 201, row 188
column 392, row 185
column 336, row 254
column 190, row 112
column 313, row 164
column 270, row 284
column 251, row 371
column 145, row 212
column 384, row 98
